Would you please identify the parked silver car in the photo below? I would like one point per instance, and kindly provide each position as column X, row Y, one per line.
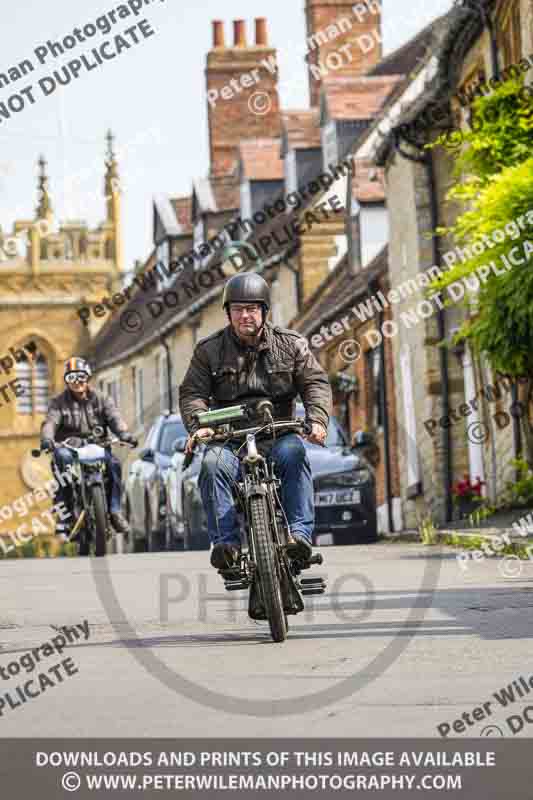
column 144, row 492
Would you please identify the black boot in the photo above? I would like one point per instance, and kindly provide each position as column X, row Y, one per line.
column 225, row 556
column 299, row 547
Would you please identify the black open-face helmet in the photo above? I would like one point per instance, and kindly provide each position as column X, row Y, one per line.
column 247, row 287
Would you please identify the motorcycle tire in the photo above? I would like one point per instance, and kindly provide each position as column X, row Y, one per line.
column 267, row 568
column 100, row 520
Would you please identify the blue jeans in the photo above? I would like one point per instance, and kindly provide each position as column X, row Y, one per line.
column 221, row 467
column 63, row 457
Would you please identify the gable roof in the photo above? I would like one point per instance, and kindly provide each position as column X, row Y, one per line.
column 216, row 194
column 183, row 210
column 300, row 129
column 348, row 98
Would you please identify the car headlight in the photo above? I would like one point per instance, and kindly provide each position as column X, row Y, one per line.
column 352, row 478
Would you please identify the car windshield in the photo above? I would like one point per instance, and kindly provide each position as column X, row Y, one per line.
column 171, row 431
column 336, row 436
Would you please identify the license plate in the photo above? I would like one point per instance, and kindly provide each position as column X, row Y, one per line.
column 324, row 539
column 346, row 497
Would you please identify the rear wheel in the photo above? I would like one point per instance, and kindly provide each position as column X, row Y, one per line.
column 100, row 519
column 268, row 568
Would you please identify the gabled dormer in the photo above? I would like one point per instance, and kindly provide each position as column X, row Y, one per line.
column 172, row 233
column 300, row 148
column 261, row 174
column 347, row 107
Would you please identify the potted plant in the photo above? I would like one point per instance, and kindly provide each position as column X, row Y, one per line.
column 467, row 495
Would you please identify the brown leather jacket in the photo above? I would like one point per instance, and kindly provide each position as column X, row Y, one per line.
column 69, row 417
column 224, row 371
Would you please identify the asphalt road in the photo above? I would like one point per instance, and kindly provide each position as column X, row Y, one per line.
column 403, row 641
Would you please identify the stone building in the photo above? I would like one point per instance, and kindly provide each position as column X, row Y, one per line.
column 48, row 270
column 439, row 444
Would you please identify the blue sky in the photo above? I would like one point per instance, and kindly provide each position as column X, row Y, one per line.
column 152, row 96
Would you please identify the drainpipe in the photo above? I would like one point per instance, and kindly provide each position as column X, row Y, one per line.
column 169, row 373
column 383, row 394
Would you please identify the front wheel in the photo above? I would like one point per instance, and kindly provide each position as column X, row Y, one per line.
column 267, row 568
column 100, row 519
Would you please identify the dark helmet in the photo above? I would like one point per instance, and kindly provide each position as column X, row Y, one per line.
column 247, row 287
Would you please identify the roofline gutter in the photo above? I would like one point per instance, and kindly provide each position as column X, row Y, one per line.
column 180, row 317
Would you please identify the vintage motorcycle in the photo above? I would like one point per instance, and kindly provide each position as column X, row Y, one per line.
column 89, row 497
column 265, row 566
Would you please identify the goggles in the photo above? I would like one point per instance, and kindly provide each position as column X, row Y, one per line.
column 76, row 377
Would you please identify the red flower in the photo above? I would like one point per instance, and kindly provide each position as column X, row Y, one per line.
column 466, row 488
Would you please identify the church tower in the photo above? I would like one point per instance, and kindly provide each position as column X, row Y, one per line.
column 48, row 271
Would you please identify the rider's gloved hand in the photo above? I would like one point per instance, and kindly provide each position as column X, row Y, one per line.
column 201, row 433
column 48, row 445
column 128, row 438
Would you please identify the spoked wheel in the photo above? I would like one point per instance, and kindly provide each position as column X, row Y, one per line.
column 100, row 520
column 83, row 537
column 267, row 569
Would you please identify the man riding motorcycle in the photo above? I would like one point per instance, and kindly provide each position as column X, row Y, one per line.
column 247, row 360
column 76, row 412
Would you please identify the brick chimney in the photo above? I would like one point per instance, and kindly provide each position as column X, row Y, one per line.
column 231, row 82
column 336, row 24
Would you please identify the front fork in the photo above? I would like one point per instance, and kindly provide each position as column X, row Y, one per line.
column 243, row 575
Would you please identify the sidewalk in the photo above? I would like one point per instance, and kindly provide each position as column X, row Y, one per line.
column 496, row 525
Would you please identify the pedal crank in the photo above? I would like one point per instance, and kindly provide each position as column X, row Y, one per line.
column 234, row 579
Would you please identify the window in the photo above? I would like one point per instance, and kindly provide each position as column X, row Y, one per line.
column 113, row 392
column 169, row 433
column 336, row 437
column 375, row 378
column 246, row 199
column 34, row 378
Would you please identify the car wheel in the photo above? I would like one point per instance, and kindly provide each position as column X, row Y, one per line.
column 195, row 535
column 149, row 536
column 128, row 545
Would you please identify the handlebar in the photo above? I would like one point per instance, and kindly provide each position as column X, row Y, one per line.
column 223, row 436
column 88, row 439
column 269, row 426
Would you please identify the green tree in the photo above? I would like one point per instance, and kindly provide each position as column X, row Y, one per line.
column 495, row 190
